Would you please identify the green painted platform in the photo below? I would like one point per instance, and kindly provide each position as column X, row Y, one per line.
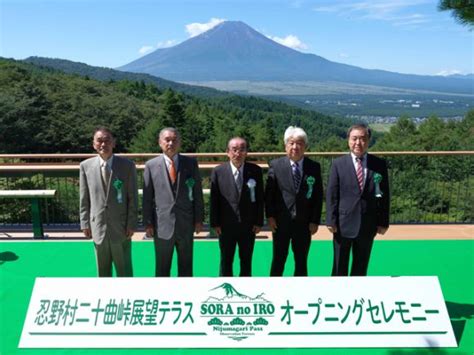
column 451, row 261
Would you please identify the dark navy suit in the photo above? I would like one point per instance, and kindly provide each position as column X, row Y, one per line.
column 293, row 211
column 355, row 213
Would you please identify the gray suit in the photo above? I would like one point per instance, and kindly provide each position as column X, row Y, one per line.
column 172, row 212
column 107, row 214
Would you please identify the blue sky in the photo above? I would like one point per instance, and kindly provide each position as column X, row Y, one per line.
column 407, row 36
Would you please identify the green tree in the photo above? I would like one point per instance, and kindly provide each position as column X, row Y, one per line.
column 146, row 140
column 264, row 137
column 22, row 111
column 402, row 136
column 461, row 10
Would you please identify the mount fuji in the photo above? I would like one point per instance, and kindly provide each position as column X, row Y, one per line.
column 233, row 51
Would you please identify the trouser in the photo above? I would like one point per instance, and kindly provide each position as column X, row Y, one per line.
column 300, row 237
column 361, row 247
column 243, row 236
column 118, row 254
column 164, row 255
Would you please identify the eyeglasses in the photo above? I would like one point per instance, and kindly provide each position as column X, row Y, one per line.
column 238, row 150
column 103, row 140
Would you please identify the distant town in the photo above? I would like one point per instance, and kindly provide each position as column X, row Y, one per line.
column 393, row 119
column 382, row 109
column 406, row 103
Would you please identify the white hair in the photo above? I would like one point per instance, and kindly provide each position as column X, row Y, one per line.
column 295, row 132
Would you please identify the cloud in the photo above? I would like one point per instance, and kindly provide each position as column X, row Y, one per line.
column 447, row 72
column 145, row 49
column 410, row 20
column 398, row 12
column 194, row 29
column 166, row 44
column 343, row 55
column 290, row 41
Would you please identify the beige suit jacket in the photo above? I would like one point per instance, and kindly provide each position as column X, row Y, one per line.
column 108, row 212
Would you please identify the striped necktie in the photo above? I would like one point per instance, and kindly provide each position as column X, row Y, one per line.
column 360, row 174
column 296, row 175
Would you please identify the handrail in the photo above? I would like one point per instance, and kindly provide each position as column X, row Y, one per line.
column 55, row 166
column 70, row 162
column 426, row 186
column 220, row 154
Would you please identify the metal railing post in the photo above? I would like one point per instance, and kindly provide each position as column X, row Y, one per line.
column 36, row 219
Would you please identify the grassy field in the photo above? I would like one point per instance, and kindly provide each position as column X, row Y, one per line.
column 381, row 127
column 451, row 261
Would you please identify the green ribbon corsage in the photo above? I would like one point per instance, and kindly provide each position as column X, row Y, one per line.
column 310, row 180
column 190, row 184
column 117, row 184
column 378, row 180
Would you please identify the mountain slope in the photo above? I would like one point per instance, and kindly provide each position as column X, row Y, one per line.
column 234, row 51
column 107, row 74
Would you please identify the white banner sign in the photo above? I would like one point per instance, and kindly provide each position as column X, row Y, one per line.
column 257, row 312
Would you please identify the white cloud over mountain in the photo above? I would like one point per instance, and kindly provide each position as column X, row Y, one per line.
column 145, row 50
column 290, row 41
column 163, row 44
column 194, row 29
column 167, row 43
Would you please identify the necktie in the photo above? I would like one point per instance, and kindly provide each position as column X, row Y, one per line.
column 296, row 175
column 238, row 180
column 360, row 173
column 172, row 172
column 105, row 172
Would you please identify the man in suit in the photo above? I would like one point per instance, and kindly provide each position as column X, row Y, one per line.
column 108, row 205
column 236, row 207
column 173, row 207
column 293, row 200
column 357, row 202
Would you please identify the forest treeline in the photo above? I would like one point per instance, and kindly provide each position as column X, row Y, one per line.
column 43, row 110
column 46, row 111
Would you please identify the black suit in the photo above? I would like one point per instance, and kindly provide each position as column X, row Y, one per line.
column 356, row 214
column 293, row 211
column 236, row 214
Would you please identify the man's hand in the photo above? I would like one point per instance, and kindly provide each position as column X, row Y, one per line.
column 313, row 228
column 130, row 233
column 272, row 224
column 218, row 230
column 256, row 229
column 87, row 233
column 332, row 229
column 381, row 230
column 198, row 227
column 150, row 231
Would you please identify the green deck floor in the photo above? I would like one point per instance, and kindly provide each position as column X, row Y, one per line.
column 451, row 261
